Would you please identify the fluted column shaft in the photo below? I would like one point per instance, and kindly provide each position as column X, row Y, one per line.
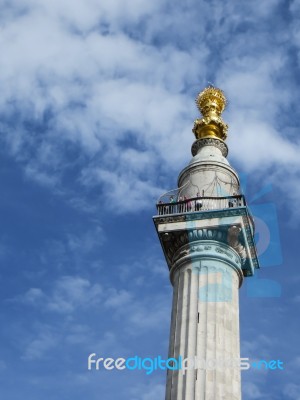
column 205, row 322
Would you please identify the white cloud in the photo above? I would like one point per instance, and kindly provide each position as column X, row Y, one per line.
column 115, row 299
column 148, row 314
column 33, row 296
column 78, row 334
column 251, row 391
column 67, row 295
column 45, row 340
column 258, row 348
column 152, row 391
column 292, row 391
column 87, row 241
column 124, row 193
column 110, row 80
column 86, row 87
column 71, row 292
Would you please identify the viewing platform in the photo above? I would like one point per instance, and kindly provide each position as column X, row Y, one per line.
column 197, row 204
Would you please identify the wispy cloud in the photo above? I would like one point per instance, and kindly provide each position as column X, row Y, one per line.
column 292, row 391
column 252, row 391
column 125, row 101
column 46, row 340
column 72, row 292
column 151, row 391
column 67, row 295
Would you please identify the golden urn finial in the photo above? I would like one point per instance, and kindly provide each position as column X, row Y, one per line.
column 211, row 102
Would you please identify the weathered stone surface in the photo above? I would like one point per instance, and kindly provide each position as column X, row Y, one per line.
column 205, row 324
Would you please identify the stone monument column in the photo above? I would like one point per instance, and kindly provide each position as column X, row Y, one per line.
column 206, row 233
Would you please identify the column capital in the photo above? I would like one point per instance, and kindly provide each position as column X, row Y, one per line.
column 206, row 251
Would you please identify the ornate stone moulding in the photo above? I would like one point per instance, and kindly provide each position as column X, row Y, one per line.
column 206, row 250
column 178, row 239
column 200, row 143
column 178, row 230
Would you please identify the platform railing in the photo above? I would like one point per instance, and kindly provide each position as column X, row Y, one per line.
column 198, row 204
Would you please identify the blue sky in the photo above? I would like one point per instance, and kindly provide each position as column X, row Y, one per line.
column 96, row 111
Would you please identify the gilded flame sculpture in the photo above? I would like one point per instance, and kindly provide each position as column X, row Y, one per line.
column 211, row 102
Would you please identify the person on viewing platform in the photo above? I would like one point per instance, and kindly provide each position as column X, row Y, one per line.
column 161, row 209
column 232, row 203
column 238, row 200
column 188, row 204
column 181, row 206
column 171, row 208
column 198, row 202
